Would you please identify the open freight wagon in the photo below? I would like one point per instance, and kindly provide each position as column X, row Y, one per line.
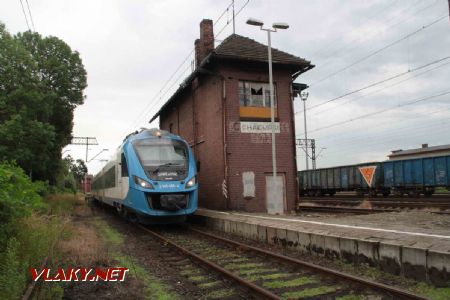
column 328, row 181
column 411, row 176
column 417, row 176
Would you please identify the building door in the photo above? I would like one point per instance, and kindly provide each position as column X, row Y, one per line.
column 275, row 194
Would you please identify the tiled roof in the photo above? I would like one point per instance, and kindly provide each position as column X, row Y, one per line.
column 239, row 47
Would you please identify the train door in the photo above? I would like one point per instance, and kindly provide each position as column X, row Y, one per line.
column 124, row 177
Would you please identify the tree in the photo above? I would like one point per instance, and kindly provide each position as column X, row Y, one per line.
column 77, row 168
column 41, row 82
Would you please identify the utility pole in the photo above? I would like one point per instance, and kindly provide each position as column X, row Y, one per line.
column 305, row 144
column 304, row 97
column 234, row 24
column 313, row 153
column 84, row 141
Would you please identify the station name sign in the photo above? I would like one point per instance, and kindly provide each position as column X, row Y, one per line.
column 259, row 127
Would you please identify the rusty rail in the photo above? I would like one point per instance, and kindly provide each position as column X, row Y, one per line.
column 398, row 293
column 247, row 284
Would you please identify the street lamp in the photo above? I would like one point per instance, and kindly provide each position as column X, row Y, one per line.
column 275, row 26
column 304, row 96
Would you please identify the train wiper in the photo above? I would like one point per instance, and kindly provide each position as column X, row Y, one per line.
column 165, row 165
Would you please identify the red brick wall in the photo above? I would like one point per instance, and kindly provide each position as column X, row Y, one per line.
column 253, row 152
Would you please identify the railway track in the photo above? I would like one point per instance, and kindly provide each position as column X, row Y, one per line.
column 264, row 274
column 372, row 205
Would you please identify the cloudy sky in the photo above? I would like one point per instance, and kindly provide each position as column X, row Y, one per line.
column 133, row 49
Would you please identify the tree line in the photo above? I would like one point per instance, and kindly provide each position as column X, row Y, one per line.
column 42, row 81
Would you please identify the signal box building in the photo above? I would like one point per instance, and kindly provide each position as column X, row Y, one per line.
column 223, row 110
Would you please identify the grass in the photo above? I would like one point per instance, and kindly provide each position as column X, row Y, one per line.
column 220, row 294
column 306, row 293
column 268, row 277
column 258, row 271
column 111, row 235
column 35, row 237
column 199, row 278
column 81, row 246
column 190, row 272
column 289, row 283
column 432, row 292
column 417, row 287
column 240, row 266
column 155, row 288
column 351, row 297
column 209, row 285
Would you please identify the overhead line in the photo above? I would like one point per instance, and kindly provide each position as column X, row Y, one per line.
column 382, row 111
column 152, row 104
column 377, row 83
column 379, row 50
column 385, row 87
column 31, row 16
column 25, row 15
column 326, row 47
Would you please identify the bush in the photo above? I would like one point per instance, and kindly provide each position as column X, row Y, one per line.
column 18, row 198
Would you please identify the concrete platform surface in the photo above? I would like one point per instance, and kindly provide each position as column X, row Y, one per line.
column 412, row 244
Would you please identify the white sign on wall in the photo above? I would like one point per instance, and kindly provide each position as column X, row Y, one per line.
column 248, row 181
column 259, row 127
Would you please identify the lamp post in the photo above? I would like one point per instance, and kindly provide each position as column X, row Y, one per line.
column 304, row 96
column 274, row 28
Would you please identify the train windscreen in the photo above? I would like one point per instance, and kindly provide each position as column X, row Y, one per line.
column 163, row 159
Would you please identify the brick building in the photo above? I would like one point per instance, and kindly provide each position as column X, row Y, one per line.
column 223, row 110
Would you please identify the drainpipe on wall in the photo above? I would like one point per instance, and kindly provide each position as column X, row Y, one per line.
column 224, row 134
column 295, row 148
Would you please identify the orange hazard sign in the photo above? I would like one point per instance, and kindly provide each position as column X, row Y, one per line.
column 367, row 173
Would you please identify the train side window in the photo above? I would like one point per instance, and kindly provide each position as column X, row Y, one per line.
column 124, row 166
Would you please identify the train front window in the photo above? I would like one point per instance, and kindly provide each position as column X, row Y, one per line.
column 163, row 159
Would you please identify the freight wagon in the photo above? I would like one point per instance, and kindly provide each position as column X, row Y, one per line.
column 328, row 181
column 417, row 176
column 412, row 177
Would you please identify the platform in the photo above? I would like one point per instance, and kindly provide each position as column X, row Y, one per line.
column 412, row 244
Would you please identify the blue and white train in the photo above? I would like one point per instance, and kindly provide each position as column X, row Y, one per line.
column 151, row 178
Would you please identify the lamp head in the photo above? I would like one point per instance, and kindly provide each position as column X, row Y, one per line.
column 304, row 95
column 254, row 22
column 280, row 25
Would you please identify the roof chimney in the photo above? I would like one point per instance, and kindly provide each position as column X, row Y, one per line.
column 205, row 44
column 424, row 145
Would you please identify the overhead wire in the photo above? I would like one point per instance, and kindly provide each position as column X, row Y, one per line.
column 331, row 56
column 383, row 88
column 379, row 50
column 152, row 104
column 25, row 15
column 31, row 16
column 377, row 83
column 381, row 111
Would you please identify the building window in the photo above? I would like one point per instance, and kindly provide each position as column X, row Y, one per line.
column 254, row 99
column 171, row 127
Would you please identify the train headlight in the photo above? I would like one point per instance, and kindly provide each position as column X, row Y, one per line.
column 191, row 182
column 143, row 183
